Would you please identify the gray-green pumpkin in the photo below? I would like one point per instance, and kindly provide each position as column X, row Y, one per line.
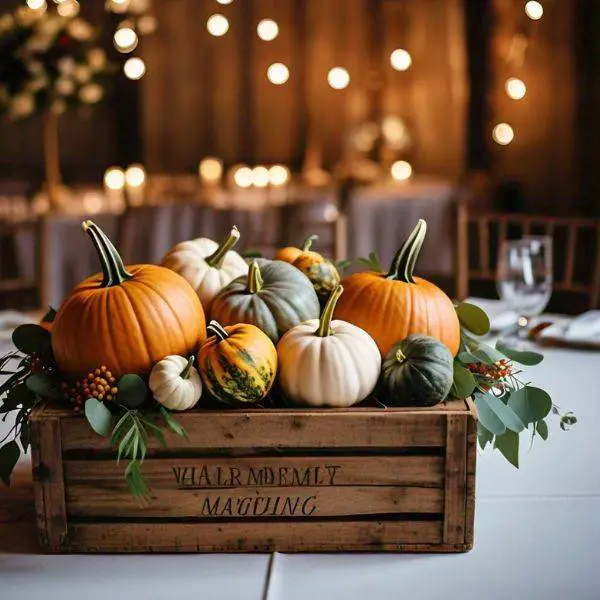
column 274, row 296
column 418, row 371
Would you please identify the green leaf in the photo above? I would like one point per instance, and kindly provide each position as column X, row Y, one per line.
column 524, row 357
column 42, row 386
column 487, row 417
column 98, row 416
column 508, row 417
column 473, row 318
column 49, row 316
column 464, row 382
column 484, row 436
column 9, row 455
column 135, row 481
column 132, row 391
column 342, row 265
column 31, row 338
column 488, row 354
column 530, row 403
column 542, row 428
column 24, row 436
column 156, row 430
column 124, row 443
column 173, row 423
column 467, row 358
column 508, row 444
column 18, row 396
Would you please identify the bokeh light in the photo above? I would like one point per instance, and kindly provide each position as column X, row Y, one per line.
column 338, row 78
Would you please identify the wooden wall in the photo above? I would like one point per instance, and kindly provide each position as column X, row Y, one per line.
column 205, row 95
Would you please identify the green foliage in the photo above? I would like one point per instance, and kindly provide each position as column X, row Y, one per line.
column 31, row 339
column 508, row 444
column 372, row 262
column 464, row 383
column 42, row 385
column 172, row 423
column 342, row 265
column 473, row 318
column 132, row 391
column 527, row 358
column 49, row 316
column 9, row 455
column 541, row 427
column 483, row 435
column 98, row 416
column 531, row 404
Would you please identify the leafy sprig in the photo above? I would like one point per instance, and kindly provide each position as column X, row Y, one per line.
column 372, row 263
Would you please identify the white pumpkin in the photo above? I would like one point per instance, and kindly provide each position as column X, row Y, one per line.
column 328, row 363
column 175, row 382
column 207, row 266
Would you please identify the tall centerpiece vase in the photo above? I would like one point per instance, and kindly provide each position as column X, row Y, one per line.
column 52, row 159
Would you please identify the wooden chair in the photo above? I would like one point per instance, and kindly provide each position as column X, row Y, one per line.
column 576, row 248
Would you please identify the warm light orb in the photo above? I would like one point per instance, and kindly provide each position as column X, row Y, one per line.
column 114, row 178
column 92, row 202
column 338, row 78
column 278, row 73
column 134, row 68
column 125, row 39
column 135, row 176
column 515, row 88
column 503, row 134
column 217, row 25
column 400, row 59
column 243, row 176
column 534, row 10
column 401, row 170
column 37, row 4
column 260, row 176
column 210, row 169
column 68, row 8
column 224, row 2
column 279, row 175
column 267, row 30
column 117, row 6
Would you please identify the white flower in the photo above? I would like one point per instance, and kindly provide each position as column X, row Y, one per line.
column 97, row 59
column 64, row 86
column 22, row 105
column 82, row 73
column 80, row 30
column 91, row 93
column 58, row 107
column 66, row 65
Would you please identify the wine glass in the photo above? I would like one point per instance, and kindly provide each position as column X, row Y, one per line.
column 524, row 277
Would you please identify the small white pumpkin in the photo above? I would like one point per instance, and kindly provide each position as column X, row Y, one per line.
column 207, row 266
column 175, row 382
column 328, row 363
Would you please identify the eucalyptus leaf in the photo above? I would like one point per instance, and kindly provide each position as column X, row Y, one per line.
column 508, row 444
column 484, row 436
column 508, row 417
column 173, row 423
column 542, row 428
column 9, row 455
column 31, row 338
column 132, row 391
column 98, row 416
column 467, row 357
column 530, row 403
column 488, row 354
column 49, row 316
column 463, row 383
column 42, row 386
column 523, row 357
column 473, row 318
column 487, row 417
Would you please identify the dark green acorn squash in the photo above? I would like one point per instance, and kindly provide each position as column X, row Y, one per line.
column 417, row 371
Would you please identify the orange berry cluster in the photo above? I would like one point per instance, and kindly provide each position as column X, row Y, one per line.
column 99, row 384
column 495, row 372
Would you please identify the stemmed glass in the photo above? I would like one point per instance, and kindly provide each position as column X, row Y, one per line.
column 524, row 277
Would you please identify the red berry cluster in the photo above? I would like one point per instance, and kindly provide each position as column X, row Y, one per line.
column 99, row 384
column 495, row 372
column 40, row 366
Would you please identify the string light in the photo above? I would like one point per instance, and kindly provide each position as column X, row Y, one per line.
column 260, row 176
column 278, row 175
column 278, row 73
column 534, row 10
column 243, row 176
column 68, row 8
column 503, row 134
column 117, row 6
column 114, row 178
column 147, row 24
column 515, row 88
column 401, row 170
column 217, row 25
column 37, row 4
column 400, row 59
column 92, row 202
column 338, row 78
column 135, row 175
column 224, row 2
column 267, row 30
column 210, row 169
column 134, row 68
column 125, row 39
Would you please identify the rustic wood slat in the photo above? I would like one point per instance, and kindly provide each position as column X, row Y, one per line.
column 455, row 492
column 571, row 247
column 484, row 245
column 471, row 471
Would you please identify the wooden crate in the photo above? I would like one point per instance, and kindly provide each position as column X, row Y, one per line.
column 360, row 479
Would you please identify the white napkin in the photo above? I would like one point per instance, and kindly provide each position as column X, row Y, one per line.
column 498, row 312
column 584, row 329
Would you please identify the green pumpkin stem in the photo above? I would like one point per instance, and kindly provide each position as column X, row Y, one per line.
column 215, row 328
column 186, row 370
column 112, row 265
column 255, row 280
column 308, row 242
column 327, row 315
column 218, row 256
column 400, row 356
column 404, row 262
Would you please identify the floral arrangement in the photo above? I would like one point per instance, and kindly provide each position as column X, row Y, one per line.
column 130, row 346
column 48, row 63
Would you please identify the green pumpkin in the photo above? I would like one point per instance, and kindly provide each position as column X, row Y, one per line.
column 418, row 371
column 274, row 296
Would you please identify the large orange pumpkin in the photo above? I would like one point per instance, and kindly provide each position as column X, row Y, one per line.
column 126, row 319
column 391, row 306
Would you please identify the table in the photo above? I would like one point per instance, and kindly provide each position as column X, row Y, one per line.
column 535, row 533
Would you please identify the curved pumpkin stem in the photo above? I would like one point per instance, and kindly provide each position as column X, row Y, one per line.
column 186, row 370
column 404, row 262
column 218, row 256
column 255, row 280
column 327, row 315
column 308, row 242
column 215, row 328
column 112, row 265
column 400, row 356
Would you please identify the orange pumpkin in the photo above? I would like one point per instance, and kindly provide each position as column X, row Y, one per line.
column 127, row 319
column 290, row 253
column 391, row 306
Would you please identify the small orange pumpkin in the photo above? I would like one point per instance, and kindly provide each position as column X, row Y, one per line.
column 126, row 318
column 391, row 306
column 290, row 253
